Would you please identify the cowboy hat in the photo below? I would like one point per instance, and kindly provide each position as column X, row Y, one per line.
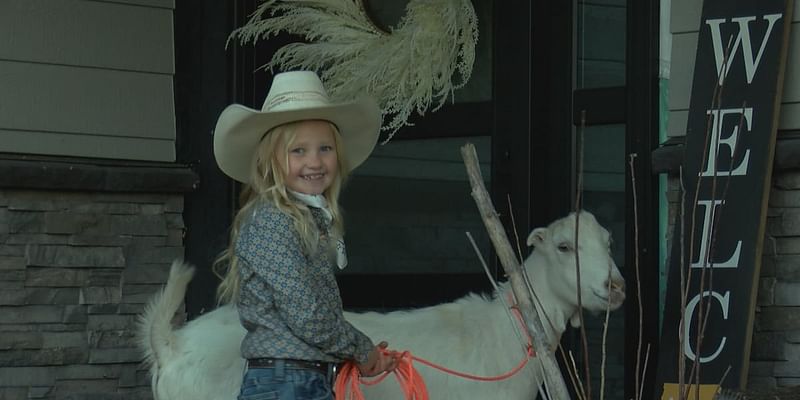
column 293, row 96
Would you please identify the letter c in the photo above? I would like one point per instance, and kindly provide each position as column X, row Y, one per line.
column 724, row 301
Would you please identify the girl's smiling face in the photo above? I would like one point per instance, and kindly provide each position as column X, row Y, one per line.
column 312, row 158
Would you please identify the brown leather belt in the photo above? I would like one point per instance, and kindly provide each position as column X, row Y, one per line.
column 290, row 363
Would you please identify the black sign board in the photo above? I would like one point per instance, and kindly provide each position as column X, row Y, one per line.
column 730, row 142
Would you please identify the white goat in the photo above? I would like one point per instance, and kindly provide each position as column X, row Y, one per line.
column 474, row 334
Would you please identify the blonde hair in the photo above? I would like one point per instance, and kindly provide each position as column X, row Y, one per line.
column 268, row 183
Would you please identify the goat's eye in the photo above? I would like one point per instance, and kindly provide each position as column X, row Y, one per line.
column 564, row 247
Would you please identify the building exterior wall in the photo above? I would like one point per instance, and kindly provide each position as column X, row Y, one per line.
column 84, row 244
column 76, row 268
column 88, row 78
column 775, row 352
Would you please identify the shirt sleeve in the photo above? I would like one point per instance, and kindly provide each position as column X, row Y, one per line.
column 270, row 245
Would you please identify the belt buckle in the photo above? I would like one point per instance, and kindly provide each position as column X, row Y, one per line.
column 332, row 373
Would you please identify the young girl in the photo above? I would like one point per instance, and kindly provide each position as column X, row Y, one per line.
column 294, row 155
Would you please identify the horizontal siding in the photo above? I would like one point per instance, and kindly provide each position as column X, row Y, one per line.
column 684, row 49
column 685, row 15
column 685, row 21
column 87, row 33
column 677, row 122
column 55, row 98
column 789, row 119
column 683, row 68
column 88, row 78
column 122, row 148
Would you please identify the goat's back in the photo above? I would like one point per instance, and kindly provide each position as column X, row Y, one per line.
column 472, row 335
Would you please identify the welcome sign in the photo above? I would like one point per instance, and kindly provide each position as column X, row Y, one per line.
column 717, row 241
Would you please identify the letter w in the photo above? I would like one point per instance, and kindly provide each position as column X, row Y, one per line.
column 743, row 39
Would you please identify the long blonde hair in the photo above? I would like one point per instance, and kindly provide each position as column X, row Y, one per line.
column 268, row 183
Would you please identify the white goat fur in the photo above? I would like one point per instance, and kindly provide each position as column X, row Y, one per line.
column 474, row 334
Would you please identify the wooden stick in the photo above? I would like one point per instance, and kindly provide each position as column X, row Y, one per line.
column 511, row 265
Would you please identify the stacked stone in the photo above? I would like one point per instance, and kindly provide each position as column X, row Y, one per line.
column 75, row 271
column 775, row 354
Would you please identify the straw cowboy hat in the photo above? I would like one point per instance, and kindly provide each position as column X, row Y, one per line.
column 294, row 96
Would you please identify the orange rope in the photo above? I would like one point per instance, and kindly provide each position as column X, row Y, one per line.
column 407, row 376
column 411, row 382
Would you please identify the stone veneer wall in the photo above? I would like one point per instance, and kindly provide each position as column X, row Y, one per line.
column 76, row 269
column 775, row 350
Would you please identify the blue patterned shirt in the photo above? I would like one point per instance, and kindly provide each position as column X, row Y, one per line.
column 289, row 302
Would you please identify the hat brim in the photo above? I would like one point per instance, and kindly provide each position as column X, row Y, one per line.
column 239, row 130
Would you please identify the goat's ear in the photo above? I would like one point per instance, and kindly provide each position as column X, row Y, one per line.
column 537, row 237
column 575, row 319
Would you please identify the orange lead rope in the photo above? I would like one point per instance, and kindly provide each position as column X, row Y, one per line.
column 347, row 382
column 347, row 386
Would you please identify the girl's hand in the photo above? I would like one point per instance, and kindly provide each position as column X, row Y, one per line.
column 378, row 361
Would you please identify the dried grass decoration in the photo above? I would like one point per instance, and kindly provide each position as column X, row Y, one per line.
column 407, row 69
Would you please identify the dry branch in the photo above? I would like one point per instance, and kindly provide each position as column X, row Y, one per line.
column 512, row 267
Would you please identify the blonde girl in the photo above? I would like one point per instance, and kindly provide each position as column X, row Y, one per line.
column 271, row 159
column 287, row 237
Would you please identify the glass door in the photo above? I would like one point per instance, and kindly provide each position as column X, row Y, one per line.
column 600, row 158
column 407, row 208
column 615, row 122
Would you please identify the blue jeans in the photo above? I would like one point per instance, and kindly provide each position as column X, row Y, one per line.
column 282, row 383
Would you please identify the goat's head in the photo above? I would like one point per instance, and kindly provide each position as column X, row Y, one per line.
column 601, row 283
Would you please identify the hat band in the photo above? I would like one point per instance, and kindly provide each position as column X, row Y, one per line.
column 281, row 99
